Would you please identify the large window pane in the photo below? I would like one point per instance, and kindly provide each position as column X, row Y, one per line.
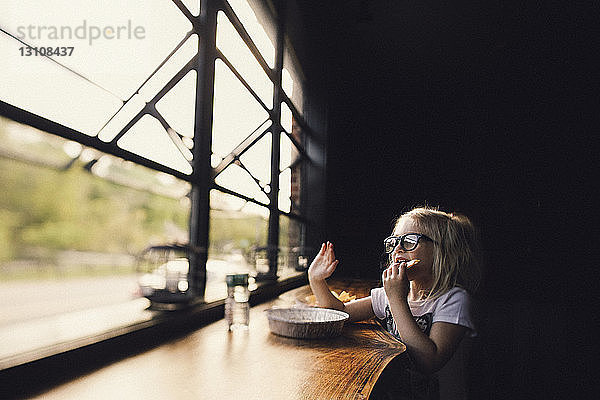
column 237, row 230
column 235, row 112
column 237, row 179
column 117, row 122
column 151, row 88
column 70, row 229
column 184, row 54
column 35, row 83
column 258, row 161
column 75, row 218
column 178, row 105
column 149, row 139
column 255, row 29
column 116, row 44
column 236, row 51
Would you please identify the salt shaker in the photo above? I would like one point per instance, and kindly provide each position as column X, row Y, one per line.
column 237, row 307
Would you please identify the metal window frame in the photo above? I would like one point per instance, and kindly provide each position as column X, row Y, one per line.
column 202, row 176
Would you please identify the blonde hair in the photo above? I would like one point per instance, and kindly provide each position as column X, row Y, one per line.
column 456, row 258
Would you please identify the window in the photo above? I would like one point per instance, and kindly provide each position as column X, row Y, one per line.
column 103, row 149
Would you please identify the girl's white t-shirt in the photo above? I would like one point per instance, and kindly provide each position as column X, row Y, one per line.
column 453, row 307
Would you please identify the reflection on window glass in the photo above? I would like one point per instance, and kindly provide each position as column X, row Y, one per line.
column 149, row 139
column 63, row 246
column 235, row 112
column 235, row 50
column 256, row 31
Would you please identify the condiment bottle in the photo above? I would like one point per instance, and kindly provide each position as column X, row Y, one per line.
column 237, row 307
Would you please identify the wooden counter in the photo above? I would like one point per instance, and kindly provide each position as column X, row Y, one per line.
column 212, row 363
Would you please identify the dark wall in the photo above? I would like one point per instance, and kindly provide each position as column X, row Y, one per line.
column 465, row 107
column 477, row 108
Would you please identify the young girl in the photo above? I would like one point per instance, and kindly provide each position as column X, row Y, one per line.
column 424, row 303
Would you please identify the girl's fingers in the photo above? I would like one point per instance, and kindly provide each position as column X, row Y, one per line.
column 402, row 269
column 395, row 271
column 334, row 264
column 330, row 255
column 390, row 271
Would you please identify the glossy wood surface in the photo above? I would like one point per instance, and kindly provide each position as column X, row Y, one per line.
column 212, row 363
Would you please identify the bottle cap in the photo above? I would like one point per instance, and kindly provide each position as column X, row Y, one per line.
column 236, row 279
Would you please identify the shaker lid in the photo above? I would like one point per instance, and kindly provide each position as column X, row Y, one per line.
column 236, row 279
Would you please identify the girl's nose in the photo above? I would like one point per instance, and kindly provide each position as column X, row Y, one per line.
column 398, row 249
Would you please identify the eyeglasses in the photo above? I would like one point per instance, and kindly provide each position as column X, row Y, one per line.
column 407, row 242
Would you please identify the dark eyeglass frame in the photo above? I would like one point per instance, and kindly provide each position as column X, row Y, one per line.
column 402, row 240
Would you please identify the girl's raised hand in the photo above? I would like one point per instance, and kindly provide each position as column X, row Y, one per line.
column 395, row 281
column 324, row 263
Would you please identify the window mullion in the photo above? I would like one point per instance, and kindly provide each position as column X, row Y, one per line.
column 273, row 231
column 200, row 194
column 239, row 27
column 249, row 141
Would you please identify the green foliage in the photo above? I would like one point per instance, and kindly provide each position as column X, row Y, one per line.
column 9, row 221
column 48, row 208
column 73, row 209
column 242, row 232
